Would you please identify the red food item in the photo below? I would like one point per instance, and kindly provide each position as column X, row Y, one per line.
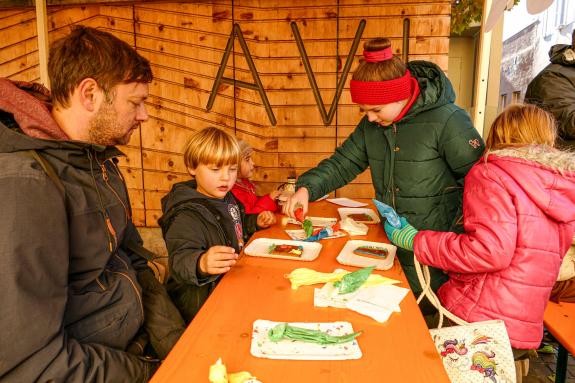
column 289, row 250
column 372, row 252
column 299, row 214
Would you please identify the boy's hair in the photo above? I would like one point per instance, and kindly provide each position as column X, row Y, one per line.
column 520, row 125
column 245, row 149
column 211, row 146
column 90, row 53
column 382, row 70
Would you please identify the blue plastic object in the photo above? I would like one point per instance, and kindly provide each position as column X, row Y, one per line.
column 388, row 213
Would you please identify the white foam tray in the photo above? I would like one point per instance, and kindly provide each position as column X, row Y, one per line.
column 259, row 248
column 347, row 257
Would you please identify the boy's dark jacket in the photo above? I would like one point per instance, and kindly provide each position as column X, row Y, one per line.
column 417, row 165
column 70, row 304
column 190, row 227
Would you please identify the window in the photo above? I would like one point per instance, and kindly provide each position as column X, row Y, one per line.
column 516, row 97
column 502, row 101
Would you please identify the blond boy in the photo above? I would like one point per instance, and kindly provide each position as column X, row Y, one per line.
column 204, row 226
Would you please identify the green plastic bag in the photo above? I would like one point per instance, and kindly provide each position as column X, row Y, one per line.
column 353, row 281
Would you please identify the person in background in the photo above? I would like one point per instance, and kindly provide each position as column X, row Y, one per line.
column 519, row 219
column 75, row 291
column 204, row 226
column 416, row 142
column 245, row 191
column 553, row 89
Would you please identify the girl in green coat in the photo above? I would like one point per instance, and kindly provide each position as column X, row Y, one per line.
column 416, row 142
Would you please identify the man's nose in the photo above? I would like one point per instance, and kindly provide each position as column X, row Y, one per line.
column 371, row 117
column 142, row 113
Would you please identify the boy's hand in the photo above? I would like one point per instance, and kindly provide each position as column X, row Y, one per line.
column 275, row 194
column 266, row 219
column 217, row 260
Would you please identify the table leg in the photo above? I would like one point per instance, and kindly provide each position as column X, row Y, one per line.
column 561, row 370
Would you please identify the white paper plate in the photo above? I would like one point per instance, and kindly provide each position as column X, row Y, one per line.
column 347, row 257
column 347, row 211
column 260, row 248
column 262, row 347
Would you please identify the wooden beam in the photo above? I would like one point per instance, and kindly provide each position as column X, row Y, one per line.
column 490, row 43
column 42, row 30
column 31, row 3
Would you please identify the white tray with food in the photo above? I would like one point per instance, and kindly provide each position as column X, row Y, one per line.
column 283, row 249
column 263, row 347
column 365, row 253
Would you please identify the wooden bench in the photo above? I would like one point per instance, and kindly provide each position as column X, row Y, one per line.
column 560, row 321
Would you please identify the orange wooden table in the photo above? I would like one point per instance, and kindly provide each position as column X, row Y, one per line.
column 399, row 350
column 560, row 321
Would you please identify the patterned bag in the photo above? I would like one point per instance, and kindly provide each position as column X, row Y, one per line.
column 471, row 352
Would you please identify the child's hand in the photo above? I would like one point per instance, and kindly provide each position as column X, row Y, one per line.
column 266, row 219
column 217, row 260
column 275, row 194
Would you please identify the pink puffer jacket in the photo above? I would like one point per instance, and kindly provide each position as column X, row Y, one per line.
column 519, row 219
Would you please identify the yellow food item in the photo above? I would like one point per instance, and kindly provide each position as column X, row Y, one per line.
column 304, row 276
column 218, row 373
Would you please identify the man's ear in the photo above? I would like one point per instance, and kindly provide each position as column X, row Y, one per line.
column 192, row 172
column 89, row 94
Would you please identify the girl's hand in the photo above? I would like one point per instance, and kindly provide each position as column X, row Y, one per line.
column 266, row 219
column 217, row 260
column 299, row 199
column 275, row 194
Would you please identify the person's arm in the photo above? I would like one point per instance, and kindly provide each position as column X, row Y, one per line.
column 34, row 345
column 556, row 94
column 490, row 226
column 348, row 161
column 186, row 244
column 263, row 203
column 460, row 144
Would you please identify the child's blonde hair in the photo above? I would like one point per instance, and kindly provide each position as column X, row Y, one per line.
column 245, row 149
column 520, row 125
column 211, row 146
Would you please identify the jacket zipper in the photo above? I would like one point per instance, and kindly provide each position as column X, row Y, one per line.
column 106, row 181
column 393, row 167
column 140, row 304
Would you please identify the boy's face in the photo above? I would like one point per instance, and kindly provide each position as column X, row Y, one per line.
column 247, row 167
column 214, row 181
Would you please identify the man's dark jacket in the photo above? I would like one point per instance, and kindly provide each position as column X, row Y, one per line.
column 553, row 89
column 70, row 289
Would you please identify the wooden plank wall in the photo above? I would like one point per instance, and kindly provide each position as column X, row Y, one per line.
column 185, row 43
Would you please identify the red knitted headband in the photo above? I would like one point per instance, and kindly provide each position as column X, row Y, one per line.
column 382, row 92
column 378, row 56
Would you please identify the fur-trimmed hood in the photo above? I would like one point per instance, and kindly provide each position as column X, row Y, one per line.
column 546, row 175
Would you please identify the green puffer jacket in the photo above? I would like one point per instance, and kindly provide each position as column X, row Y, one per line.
column 417, row 165
column 553, row 89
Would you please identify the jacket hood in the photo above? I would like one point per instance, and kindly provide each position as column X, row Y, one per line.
column 562, row 54
column 546, row 175
column 435, row 89
column 27, row 124
column 182, row 191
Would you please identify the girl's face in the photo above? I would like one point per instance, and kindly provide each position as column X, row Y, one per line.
column 247, row 167
column 385, row 114
column 214, row 181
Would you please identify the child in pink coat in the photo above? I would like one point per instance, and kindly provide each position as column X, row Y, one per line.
column 519, row 219
column 245, row 191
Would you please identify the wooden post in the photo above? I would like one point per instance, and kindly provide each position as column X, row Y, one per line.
column 486, row 76
column 42, row 30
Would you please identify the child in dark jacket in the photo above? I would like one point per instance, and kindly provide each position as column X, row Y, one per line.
column 204, row 226
column 245, row 191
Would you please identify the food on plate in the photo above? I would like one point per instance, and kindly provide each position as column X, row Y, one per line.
column 375, row 252
column 286, row 250
column 361, row 217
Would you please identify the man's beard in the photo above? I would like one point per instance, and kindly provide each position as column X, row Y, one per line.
column 105, row 128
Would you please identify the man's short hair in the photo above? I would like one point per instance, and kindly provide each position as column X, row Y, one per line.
column 211, row 146
column 90, row 53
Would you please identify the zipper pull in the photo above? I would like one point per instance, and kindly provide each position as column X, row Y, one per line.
column 394, row 129
column 104, row 172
